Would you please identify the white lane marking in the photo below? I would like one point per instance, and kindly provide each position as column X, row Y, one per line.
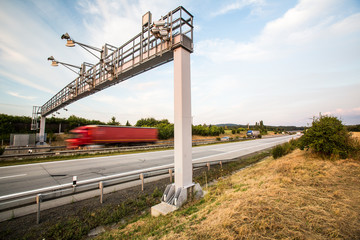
column 19, row 175
column 85, row 159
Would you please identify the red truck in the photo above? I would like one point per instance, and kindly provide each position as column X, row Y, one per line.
column 105, row 135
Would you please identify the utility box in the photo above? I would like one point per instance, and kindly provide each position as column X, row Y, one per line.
column 22, row 140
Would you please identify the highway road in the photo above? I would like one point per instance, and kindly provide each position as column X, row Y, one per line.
column 15, row 179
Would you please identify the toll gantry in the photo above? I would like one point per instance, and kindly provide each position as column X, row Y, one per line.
column 152, row 47
column 169, row 38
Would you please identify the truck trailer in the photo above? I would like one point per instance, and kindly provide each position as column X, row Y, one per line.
column 110, row 135
column 252, row 133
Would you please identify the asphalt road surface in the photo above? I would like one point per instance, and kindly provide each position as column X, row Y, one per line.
column 15, row 179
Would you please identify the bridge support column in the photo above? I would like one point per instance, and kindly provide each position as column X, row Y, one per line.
column 177, row 194
column 182, row 119
column 42, row 130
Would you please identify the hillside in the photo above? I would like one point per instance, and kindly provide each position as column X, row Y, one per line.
column 298, row 196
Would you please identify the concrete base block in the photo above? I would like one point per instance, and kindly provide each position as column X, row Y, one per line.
column 173, row 200
column 198, row 192
column 162, row 208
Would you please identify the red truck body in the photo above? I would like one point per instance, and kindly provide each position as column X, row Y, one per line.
column 95, row 134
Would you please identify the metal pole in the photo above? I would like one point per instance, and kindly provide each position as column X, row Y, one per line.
column 42, row 130
column 38, row 201
column 142, row 181
column 170, row 173
column 182, row 118
column 101, row 186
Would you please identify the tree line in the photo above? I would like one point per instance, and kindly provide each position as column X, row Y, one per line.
column 21, row 124
column 166, row 129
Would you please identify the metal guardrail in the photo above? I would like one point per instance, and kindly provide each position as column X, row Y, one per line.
column 165, row 144
column 38, row 196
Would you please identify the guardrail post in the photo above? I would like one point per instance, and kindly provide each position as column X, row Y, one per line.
column 74, row 182
column 101, row 186
column 142, row 181
column 38, row 201
column 220, row 164
column 170, row 172
column 208, row 166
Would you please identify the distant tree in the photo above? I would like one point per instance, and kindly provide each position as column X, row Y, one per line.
column 353, row 128
column 113, row 121
column 262, row 128
column 147, row 122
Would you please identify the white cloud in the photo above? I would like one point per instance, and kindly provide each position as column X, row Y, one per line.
column 346, row 26
column 18, row 95
column 237, row 5
column 308, row 22
column 115, row 22
column 108, row 99
column 25, row 82
column 344, row 112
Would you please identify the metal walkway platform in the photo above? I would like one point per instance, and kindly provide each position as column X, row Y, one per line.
column 143, row 52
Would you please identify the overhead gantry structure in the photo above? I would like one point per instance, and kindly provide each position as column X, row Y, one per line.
column 152, row 47
column 169, row 38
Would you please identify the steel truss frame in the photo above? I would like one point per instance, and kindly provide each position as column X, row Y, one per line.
column 141, row 53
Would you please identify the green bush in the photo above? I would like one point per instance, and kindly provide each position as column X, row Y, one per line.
column 278, row 151
column 283, row 149
column 328, row 137
column 165, row 131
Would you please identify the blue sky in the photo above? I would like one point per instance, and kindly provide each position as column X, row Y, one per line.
column 280, row 61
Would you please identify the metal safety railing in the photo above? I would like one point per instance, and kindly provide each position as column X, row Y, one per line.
column 141, row 53
column 39, row 196
column 31, row 152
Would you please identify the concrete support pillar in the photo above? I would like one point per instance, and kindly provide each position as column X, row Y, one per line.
column 42, row 130
column 182, row 119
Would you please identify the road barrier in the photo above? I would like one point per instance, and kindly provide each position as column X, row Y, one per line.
column 38, row 196
column 164, row 144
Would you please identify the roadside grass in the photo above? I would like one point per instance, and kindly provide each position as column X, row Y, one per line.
column 130, row 211
column 298, row 196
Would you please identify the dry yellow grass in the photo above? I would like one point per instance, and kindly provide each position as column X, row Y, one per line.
column 297, row 196
column 356, row 135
